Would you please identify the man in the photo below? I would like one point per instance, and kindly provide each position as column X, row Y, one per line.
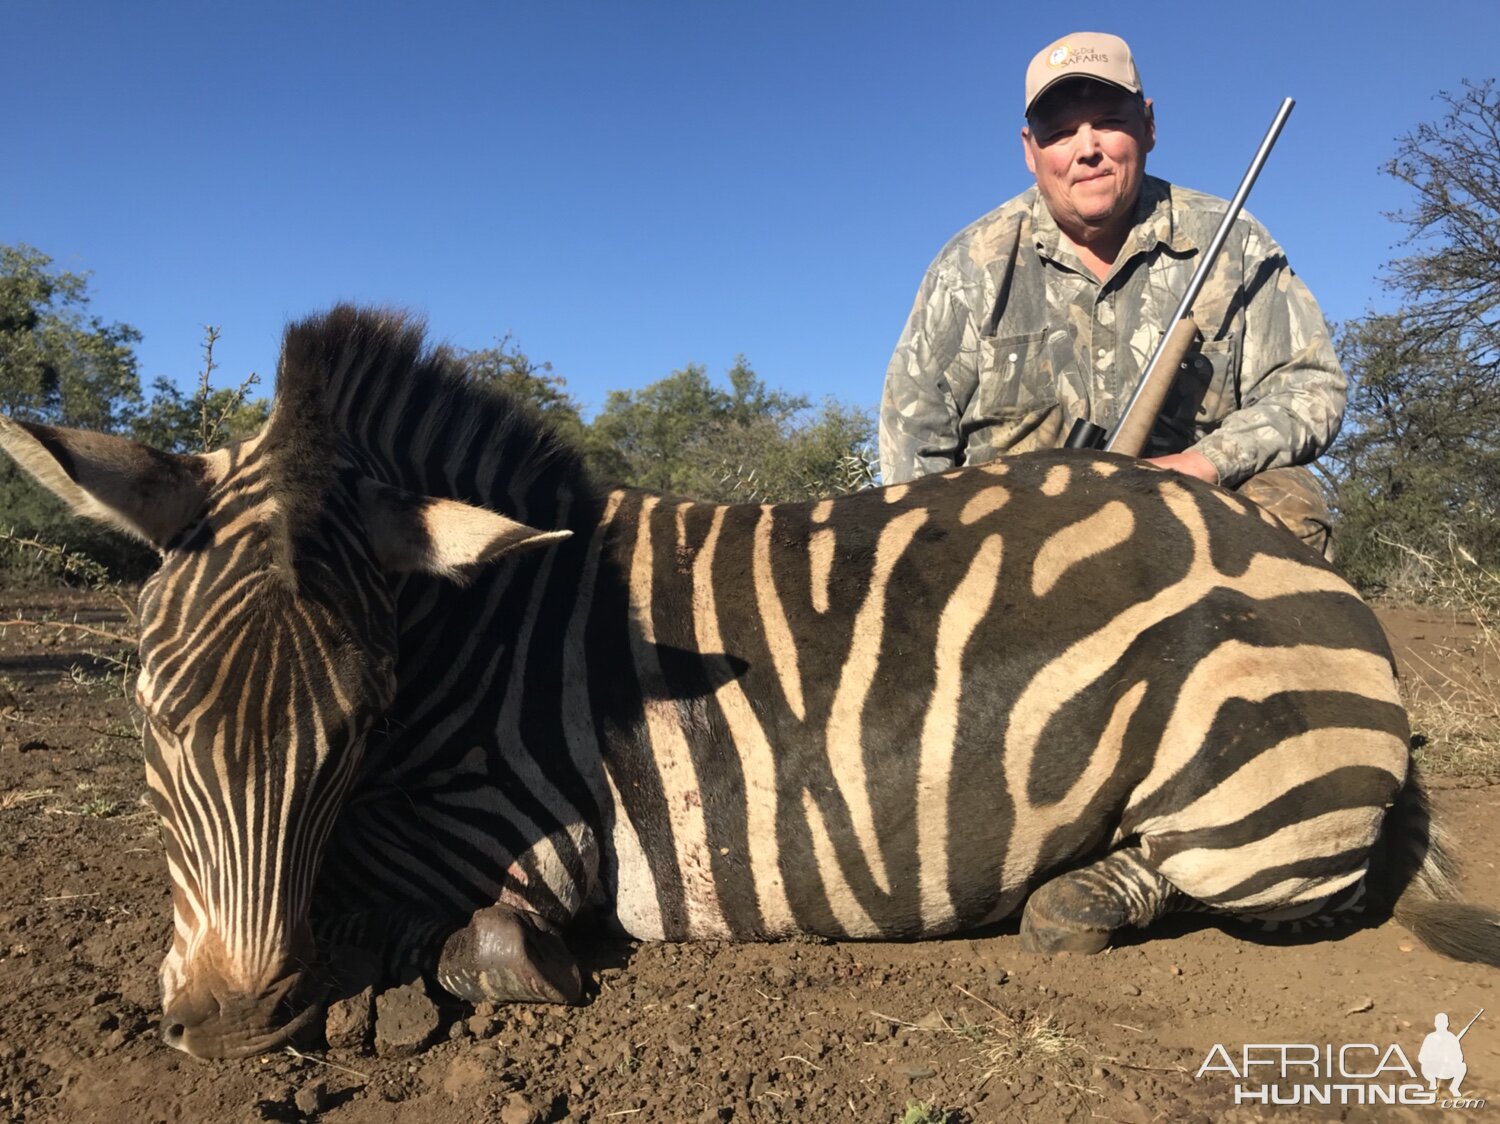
column 1442, row 1056
column 1048, row 308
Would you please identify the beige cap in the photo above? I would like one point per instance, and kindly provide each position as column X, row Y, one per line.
column 1084, row 54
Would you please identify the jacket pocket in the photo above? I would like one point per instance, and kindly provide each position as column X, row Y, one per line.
column 1015, row 405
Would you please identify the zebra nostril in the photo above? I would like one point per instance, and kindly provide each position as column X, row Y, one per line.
column 173, row 1033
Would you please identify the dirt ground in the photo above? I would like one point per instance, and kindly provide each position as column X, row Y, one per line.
column 963, row 1030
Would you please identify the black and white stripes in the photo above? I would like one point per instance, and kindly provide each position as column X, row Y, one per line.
column 892, row 714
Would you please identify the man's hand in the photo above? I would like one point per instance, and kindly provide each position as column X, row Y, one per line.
column 1188, row 463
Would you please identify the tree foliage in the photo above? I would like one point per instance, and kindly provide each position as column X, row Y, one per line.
column 61, row 365
column 197, row 422
column 1418, row 464
column 1420, row 457
column 507, row 368
column 58, row 364
column 1450, row 281
column 210, row 417
column 749, row 442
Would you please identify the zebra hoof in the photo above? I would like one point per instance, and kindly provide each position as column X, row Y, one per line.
column 1064, row 915
column 505, row 956
column 1044, row 940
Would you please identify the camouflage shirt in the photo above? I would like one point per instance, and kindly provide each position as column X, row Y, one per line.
column 1011, row 338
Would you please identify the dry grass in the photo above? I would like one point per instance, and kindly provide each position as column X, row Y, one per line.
column 17, row 797
column 1455, row 705
column 109, row 648
column 1015, row 1047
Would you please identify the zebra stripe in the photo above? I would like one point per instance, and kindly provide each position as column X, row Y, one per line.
column 889, row 715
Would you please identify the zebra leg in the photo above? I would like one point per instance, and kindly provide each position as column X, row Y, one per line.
column 506, row 955
column 502, row 955
column 1077, row 911
column 377, row 948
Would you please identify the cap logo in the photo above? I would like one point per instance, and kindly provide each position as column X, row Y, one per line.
column 1065, row 55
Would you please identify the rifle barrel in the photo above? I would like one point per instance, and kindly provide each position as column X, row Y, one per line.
column 1470, row 1023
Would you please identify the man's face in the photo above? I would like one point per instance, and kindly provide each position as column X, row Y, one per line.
column 1086, row 144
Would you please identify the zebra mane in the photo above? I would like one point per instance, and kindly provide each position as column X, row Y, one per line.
column 361, row 385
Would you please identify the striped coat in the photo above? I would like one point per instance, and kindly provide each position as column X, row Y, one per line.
column 413, row 683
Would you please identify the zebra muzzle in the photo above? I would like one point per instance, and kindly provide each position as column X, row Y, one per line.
column 209, row 1025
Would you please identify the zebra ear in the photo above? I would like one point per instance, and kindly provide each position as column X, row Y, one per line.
column 129, row 486
column 424, row 534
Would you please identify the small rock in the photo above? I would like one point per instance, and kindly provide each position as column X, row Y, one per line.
column 1361, row 1007
column 1175, row 970
column 482, row 1026
column 464, row 1073
column 518, row 1110
column 312, row 1098
column 405, row 1021
column 1131, row 989
column 915, row 1071
column 350, row 1022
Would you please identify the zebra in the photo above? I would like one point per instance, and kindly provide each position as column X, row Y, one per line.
column 416, row 691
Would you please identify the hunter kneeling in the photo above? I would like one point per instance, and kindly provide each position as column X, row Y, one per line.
column 1048, row 308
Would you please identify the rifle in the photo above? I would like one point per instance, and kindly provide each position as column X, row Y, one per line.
column 1136, row 422
column 1468, row 1024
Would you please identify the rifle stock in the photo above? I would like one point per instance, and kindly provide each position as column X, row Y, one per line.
column 1135, row 428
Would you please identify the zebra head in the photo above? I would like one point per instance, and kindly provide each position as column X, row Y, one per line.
column 267, row 645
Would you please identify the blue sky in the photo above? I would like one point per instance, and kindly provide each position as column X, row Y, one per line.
column 628, row 187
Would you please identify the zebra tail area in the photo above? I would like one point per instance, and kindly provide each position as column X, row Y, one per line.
column 1415, row 873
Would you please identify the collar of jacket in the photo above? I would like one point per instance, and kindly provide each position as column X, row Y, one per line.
column 1154, row 222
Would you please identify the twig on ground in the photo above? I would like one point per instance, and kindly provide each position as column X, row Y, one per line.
column 804, row 1061
column 300, row 1056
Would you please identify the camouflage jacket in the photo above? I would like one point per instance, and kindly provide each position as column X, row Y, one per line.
column 1011, row 338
